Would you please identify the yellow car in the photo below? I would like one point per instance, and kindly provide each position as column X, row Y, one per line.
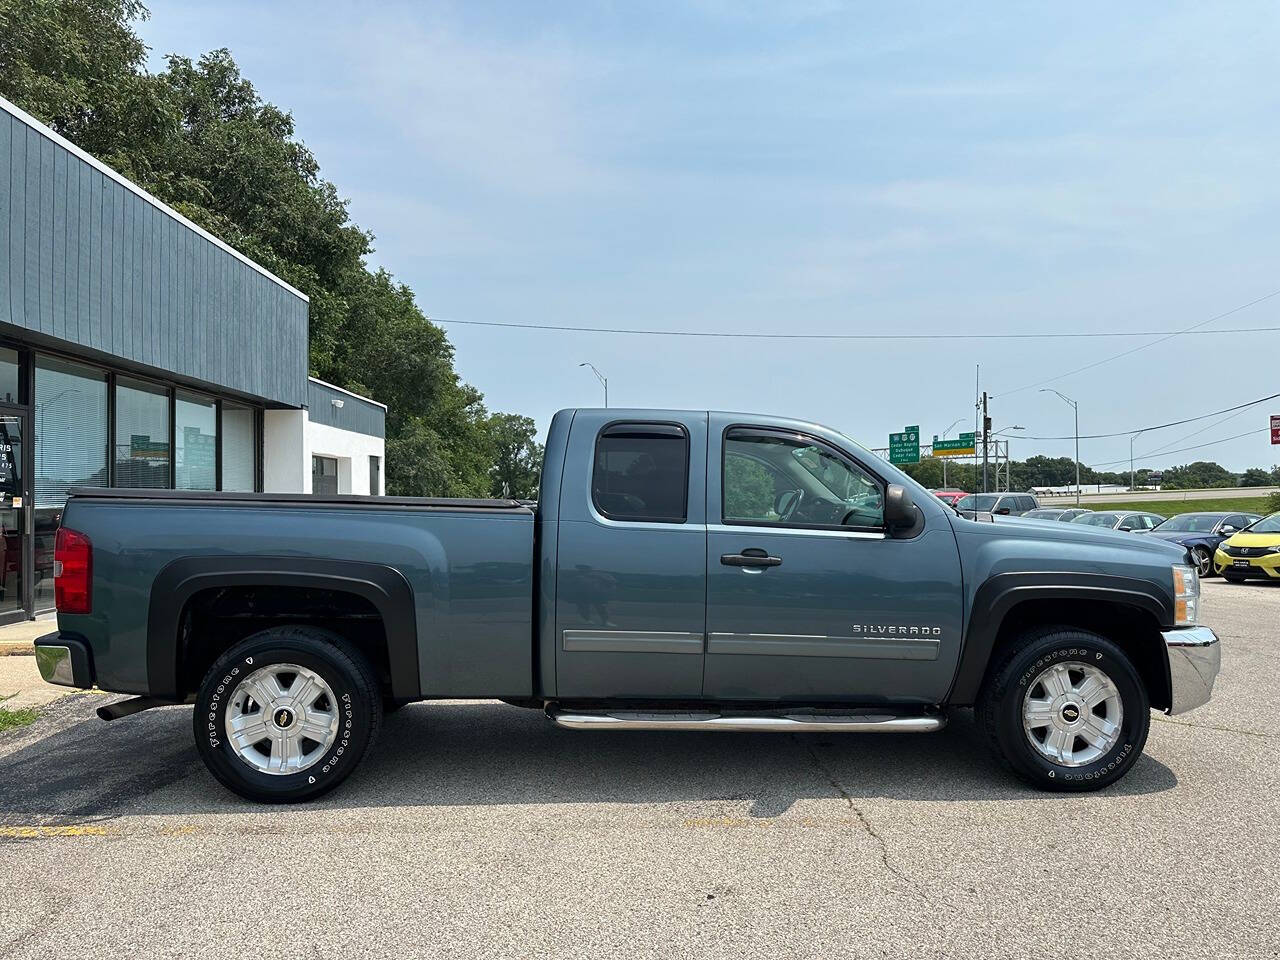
column 1253, row 552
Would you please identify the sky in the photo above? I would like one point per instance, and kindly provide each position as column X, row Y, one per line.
column 812, row 167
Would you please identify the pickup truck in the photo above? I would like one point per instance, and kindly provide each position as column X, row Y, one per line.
column 680, row 571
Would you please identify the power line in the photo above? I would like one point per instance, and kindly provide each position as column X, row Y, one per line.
column 1194, row 433
column 1198, row 446
column 1130, row 352
column 738, row 335
column 1160, row 426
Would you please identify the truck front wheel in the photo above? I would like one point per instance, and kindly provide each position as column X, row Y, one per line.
column 1066, row 710
column 286, row 714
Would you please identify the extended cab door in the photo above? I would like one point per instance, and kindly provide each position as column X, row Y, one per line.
column 808, row 597
column 631, row 557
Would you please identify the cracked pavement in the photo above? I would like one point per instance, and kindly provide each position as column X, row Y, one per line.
column 477, row 829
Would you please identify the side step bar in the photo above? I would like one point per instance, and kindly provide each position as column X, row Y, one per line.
column 785, row 723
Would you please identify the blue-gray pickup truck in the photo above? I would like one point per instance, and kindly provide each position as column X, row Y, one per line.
column 680, row 571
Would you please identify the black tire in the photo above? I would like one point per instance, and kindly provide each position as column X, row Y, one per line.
column 1203, row 561
column 1008, row 683
column 342, row 667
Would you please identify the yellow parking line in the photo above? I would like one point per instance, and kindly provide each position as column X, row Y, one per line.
column 70, row 830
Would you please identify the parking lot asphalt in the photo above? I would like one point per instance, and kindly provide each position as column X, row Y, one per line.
column 475, row 829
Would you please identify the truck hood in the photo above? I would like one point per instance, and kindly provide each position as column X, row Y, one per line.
column 1057, row 532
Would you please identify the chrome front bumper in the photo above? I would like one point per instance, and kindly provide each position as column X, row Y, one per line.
column 1195, row 655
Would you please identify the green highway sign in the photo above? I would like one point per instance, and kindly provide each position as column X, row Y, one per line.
column 904, row 447
column 962, row 446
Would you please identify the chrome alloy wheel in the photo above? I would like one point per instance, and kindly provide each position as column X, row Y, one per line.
column 1072, row 713
column 282, row 718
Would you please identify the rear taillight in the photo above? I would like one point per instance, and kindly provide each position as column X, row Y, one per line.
column 72, row 572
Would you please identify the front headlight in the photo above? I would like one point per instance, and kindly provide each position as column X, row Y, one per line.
column 1186, row 595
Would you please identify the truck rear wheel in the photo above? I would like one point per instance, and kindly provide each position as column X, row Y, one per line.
column 1066, row 709
column 286, row 714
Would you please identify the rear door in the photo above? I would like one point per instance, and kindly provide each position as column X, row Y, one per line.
column 807, row 598
column 631, row 563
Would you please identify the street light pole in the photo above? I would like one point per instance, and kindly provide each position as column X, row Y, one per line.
column 1132, row 437
column 944, row 459
column 604, row 381
column 1076, row 407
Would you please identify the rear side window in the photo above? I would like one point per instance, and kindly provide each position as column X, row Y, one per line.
column 641, row 472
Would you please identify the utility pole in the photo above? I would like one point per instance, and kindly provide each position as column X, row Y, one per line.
column 986, row 433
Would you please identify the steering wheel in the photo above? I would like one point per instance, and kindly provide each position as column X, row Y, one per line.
column 788, row 503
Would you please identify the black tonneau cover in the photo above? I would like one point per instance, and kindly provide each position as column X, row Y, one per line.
column 299, row 499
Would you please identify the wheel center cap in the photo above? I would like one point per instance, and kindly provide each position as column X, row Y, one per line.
column 1070, row 713
column 283, row 717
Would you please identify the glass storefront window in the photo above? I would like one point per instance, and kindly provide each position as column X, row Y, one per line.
column 69, row 416
column 239, row 448
column 196, row 442
column 142, row 434
column 8, row 375
column 71, row 429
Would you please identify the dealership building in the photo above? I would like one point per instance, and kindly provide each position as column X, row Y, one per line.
column 138, row 350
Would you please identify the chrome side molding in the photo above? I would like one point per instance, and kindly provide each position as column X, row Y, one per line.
column 786, row 723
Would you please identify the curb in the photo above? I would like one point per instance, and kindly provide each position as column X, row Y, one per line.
column 16, row 648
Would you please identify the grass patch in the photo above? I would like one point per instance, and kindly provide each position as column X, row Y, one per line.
column 13, row 719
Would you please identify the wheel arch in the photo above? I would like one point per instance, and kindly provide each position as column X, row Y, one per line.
column 180, row 582
column 1128, row 611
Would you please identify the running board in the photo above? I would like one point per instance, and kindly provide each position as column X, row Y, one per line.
column 785, row 723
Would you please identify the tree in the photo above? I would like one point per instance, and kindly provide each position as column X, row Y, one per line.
column 198, row 136
column 517, row 456
column 1256, row 477
column 1198, row 475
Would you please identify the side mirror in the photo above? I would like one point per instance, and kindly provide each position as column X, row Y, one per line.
column 1126, row 529
column 900, row 511
column 1227, row 530
column 1003, row 511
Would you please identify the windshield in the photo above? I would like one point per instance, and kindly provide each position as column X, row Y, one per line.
column 1269, row 524
column 1191, row 523
column 979, row 501
column 1043, row 514
column 1098, row 519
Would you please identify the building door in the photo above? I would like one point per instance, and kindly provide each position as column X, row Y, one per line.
column 324, row 475
column 15, row 507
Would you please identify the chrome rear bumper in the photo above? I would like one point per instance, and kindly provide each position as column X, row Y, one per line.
column 64, row 661
column 1195, row 657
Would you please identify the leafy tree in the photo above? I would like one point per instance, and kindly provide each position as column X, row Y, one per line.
column 1257, row 477
column 749, row 489
column 517, row 456
column 199, row 137
column 1200, row 474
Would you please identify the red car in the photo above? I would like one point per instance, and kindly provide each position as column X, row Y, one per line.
column 949, row 497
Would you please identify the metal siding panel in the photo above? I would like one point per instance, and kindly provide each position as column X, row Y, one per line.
column 117, row 268
column 95, row 259
column 6, row 206
column 84, row 270
column 47, row 152
column 58, row 303
column 31, row 233
column 17, row 225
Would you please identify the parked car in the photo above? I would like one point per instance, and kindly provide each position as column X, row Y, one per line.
column 1128, row 522
column 1202, row 533
column 1253, row 552
column 999, row 504
column 1056, row 513
column 682, row 571
column 949, row 497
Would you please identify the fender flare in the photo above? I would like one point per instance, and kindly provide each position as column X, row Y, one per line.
column 384, row 587
column 1000, row 594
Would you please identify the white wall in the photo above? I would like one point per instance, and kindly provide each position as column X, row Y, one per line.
column 352, row 451
column 286, row 464
column 289, row 441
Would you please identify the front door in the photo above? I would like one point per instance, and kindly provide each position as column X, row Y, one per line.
column 631, row 557
column 807, row 597
column 14, row 509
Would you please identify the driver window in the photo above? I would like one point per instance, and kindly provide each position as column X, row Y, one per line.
column 786, row 480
